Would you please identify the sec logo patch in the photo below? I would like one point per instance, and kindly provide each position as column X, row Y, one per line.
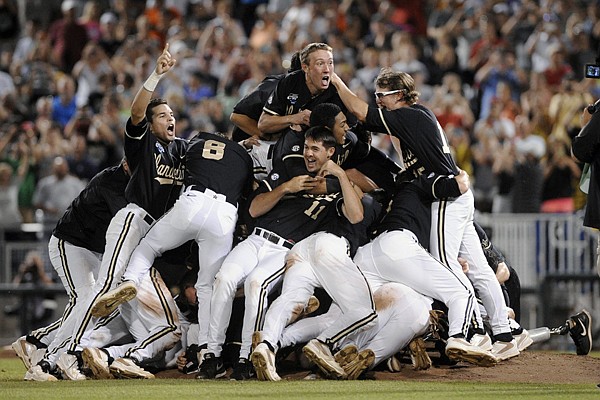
column 274, row 176
column 296, row 148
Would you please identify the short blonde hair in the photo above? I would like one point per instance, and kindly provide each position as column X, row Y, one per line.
column 311, row 48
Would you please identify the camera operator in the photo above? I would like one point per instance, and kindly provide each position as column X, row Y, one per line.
column 586, row 148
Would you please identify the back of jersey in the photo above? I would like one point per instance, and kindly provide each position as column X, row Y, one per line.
column 219, row 164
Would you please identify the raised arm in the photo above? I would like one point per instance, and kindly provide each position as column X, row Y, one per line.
column 269, row 123
column 355, row 104
column 163, row 64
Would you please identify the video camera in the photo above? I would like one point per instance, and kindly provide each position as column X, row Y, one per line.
column 592, row 71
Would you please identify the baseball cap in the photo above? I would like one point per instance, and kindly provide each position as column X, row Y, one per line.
column 68, row 5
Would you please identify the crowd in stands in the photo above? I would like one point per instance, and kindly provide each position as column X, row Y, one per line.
column 504, row 78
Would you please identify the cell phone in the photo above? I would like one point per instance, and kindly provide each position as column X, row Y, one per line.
column 592, row 71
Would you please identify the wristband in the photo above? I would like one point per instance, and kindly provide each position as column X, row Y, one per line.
column 152, row 81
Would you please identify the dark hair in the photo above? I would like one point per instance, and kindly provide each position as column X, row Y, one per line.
column 295, row 64
column 322, row 135
column 324, row 115
column 311, row 48
column 150, row 108
column 394, row 80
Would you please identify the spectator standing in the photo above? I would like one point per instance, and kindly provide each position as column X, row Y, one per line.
column 68, row 37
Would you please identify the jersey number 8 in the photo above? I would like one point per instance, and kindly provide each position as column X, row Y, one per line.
column 213, row 150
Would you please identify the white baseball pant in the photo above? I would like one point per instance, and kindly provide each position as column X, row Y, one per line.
column 124, row 232
column 453, row 234
column 397, row 256
column 205, row 217
column 322, row 261
column 258, row 264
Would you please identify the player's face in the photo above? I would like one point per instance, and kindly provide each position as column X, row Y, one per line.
column 388, row 98
column 316, row 155
column 340, row 128
column 163, row 123
column 318, row 71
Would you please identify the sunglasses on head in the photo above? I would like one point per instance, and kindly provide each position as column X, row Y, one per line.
column 379, row 95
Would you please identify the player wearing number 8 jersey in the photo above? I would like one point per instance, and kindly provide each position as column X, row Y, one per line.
column 425, row 150
column 218, row 172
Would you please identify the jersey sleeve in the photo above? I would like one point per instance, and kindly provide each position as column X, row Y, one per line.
column 587, row 143
column 275, row 104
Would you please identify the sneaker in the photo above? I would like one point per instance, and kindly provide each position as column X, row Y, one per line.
column 505, row 350
column 40, row 373
column 263, row 360
column 202, row 350
column 523, row 339
column 37, row 356
column 346, row 355
column 319, row 353
column 458, row 349
column 24, row 350
column 418, row 354
column 243, row 370
column 68, row 364
column 96, row 360
column 126, row 368
column 212, row 367
column 360, row 364
column 580, row 329
column 108, row 302
column 483, row 341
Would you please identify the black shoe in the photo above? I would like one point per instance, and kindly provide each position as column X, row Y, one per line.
column 191, row 355
column 243, row 370
column 212, row 367
column 581, row 332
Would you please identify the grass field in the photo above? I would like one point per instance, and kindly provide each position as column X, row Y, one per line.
column 13, row 387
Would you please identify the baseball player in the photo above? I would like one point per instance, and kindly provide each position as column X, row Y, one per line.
column 245, row 116
column 319, row 261
column 153, row 320
column 154, row 157
column 284, row 214
column 218, row 172
column 350, row 152
column 402, row 315
column 75, row 249
column 425, row 150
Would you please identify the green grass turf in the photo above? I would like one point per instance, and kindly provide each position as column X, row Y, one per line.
column 12, row 387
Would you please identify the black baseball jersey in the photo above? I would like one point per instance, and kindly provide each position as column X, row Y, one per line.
column 156, row 169
column 411, row 205
column 424, row 144
column 217, row 163
column 356, row 234
column 252, row 104
column 292, row 96
column 296, row 217
column 85, row 222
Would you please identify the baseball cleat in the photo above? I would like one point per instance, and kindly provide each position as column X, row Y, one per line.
column 96, row 361
column 111, row 300
column 263, row 360
column 580, row 330
column 40, row 373
column 242, row 370
column 523, row 339
column 126, row 368
column 458, row 349
column 483, row 341
column 346, row 355
column 320, row 354
column 69, row 367
column 393, row 364
column 24, row 350
column 505, row 350
column 212, row 367
column 418, row 354
column 361, row 363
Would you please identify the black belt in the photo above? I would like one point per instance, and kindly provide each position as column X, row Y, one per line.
column 273, row 238
column 148, row 218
